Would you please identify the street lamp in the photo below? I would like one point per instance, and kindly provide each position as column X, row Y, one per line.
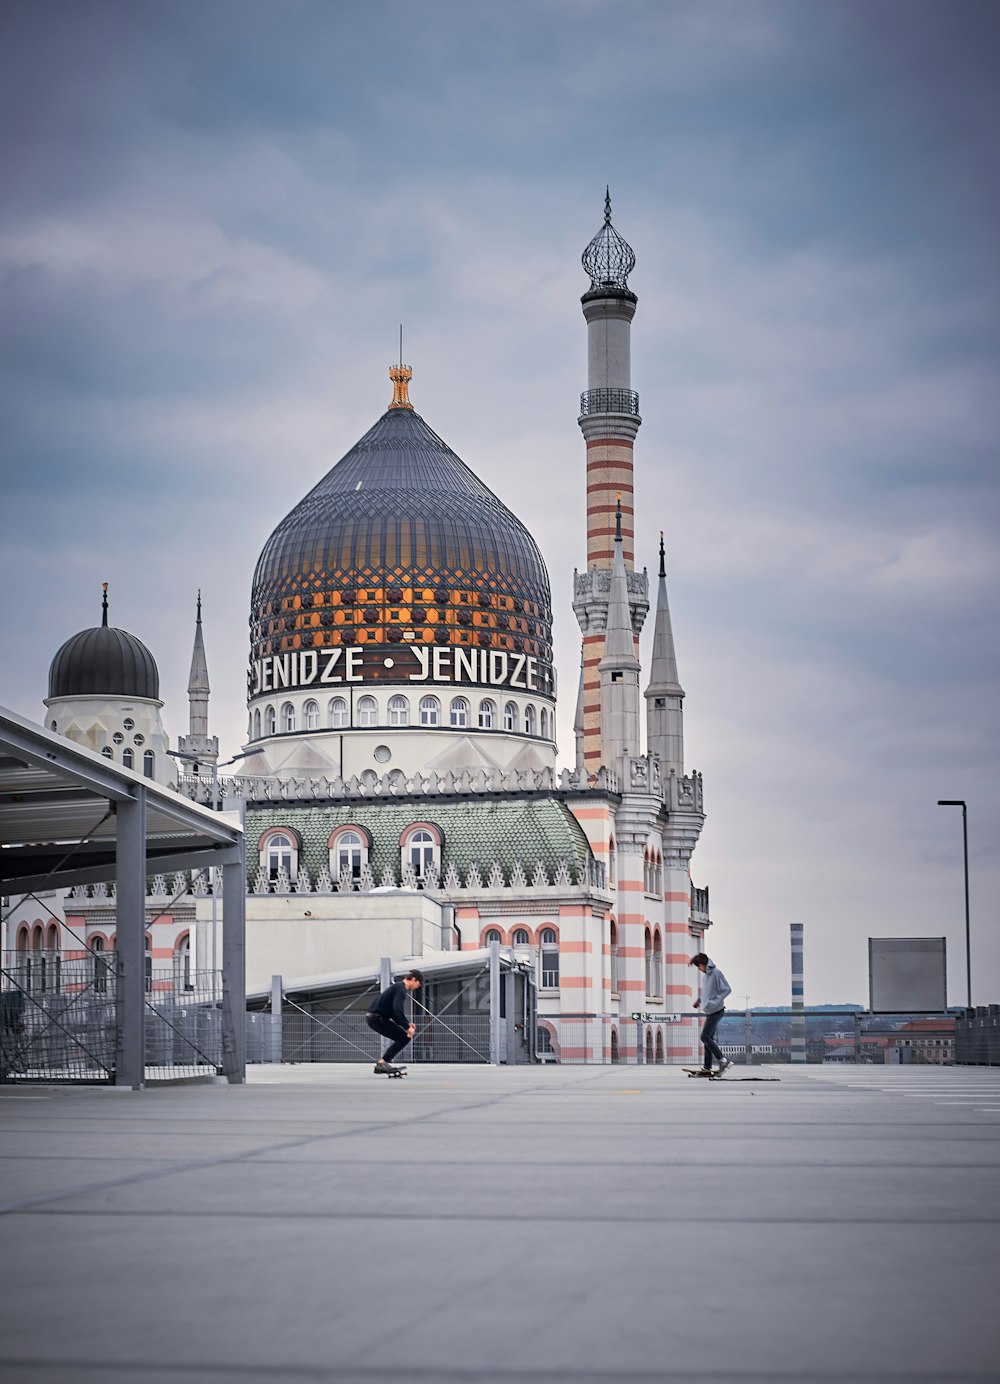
column 196, row 761
column 959, row 802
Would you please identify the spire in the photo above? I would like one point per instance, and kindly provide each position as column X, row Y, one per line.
column 198, row 743
column 608, row 259
column 664, row 694
column 401, row 375
column 578, row 724
column 104, row 605
column 619, row 668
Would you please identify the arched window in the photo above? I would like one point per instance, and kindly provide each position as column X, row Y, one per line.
column 256, row 724
column 348, row 851
column 287, row 718
column 270, row 721
column 459, row 711
column 367, row 712
column 648, row 953
column 649, row 1045
column 128, row 759
column 399, row 711
column 614, row 958
column 510, row 716
column 421, row 849
column 543, row 724
column 615, row 1056
column 337, row 713
column 659, row 1045
column 100, row 966
column 280, row 853
column 529, row 720
column 493, row 936
column 549, row 959
column 657, row 965
column 310, row 715
column 611, row 862
column 543, row 1040
column 182, row 963
column 149, row 763
column 430, row 711
column 521, row 937
column 487, row 714
column 108, row 752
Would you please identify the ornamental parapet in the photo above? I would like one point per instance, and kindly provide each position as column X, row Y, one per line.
column 592, row 592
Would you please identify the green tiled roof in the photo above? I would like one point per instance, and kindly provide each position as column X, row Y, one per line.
column 475, row 833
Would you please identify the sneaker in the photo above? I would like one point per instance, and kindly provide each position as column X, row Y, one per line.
column 381, row 1067
column 725, row 1064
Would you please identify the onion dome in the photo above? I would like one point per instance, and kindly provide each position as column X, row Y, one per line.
column 104, row 662
column 608, row 259
column 401, row 544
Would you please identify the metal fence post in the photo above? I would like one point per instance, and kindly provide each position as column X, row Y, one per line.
column 276, row 1019
column 234, row 985
column 130, row 943
column 495, row 1003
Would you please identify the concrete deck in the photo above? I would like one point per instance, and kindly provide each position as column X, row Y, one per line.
column 557, row 1224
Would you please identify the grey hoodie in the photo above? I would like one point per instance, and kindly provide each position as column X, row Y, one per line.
column 714, row 989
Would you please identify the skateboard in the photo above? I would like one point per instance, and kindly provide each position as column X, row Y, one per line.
column 700, row 1071
column 399, row 1071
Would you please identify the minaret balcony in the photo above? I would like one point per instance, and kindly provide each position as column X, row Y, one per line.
column 609, row 401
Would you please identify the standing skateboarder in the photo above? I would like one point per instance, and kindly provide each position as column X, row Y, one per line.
column 714, row 989
column 388, row 1017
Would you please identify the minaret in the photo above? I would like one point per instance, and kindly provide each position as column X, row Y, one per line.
column 664, row 694
column 618, row 670
column 609, row 420
column 198, row 744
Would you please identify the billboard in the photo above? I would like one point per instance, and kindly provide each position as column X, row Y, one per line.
column 907, row 975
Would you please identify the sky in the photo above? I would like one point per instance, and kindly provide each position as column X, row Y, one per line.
column 215, row 216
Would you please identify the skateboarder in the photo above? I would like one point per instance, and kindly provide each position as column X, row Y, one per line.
column 388, row 1017
column 714, row 989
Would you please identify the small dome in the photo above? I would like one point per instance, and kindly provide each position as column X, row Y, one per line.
column 608, row 259
column 104, row 662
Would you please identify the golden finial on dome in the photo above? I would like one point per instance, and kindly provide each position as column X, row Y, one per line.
column 401, row 375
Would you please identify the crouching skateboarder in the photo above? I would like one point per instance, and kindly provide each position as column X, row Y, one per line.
column 712, row 1003
column 387, row 1016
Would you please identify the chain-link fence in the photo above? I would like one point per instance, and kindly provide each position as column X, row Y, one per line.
column 59, row 1020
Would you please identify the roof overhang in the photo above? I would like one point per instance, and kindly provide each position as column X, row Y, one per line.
column 58, row 815
column 441, row 966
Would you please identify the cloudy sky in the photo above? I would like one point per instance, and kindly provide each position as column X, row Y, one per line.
column 215, row 215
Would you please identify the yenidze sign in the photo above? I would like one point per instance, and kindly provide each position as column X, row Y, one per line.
column 422, row 663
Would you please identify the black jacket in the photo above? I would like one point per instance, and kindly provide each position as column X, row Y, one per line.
column 392, row 1004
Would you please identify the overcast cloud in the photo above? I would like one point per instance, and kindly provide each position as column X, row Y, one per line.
column 215, row 215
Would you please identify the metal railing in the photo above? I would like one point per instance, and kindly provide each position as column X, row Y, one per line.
column 609, row 401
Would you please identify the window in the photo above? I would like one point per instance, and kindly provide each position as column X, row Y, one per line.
column 543, row 1039
column 348, row 852
column 529, row 720
column 510, row 716
column 657, row 965
column 521, row 937
column 421, row 850
column 310, row 715
column 182, row 964
column 256, row 724
column 270, row 721
column 367, row 712
column 615, row 1055
column 487, row 714
column 493, row 936
column 430, row 711
column 287, row 718
column 128, row 723
column 399, row 711
column 459, row 711
column 549, row 959
column 107, row 752
column 648, row 953
column 100, row 966
column 139, row 739
column 148, row 763
column 614, row 958
column 611, row 861
column 128, row 759
column 337, row 713
column 543, row 724
column 280, row 854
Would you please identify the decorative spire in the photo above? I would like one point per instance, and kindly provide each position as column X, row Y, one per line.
column 664, row 694
column 104, row 605
column 401, row 375
column 198, row 617
column 663, row 568
column 618, row 517
column 608, row 259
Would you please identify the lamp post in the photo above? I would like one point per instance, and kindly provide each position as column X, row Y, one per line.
column 960, row 802
column 196, row 761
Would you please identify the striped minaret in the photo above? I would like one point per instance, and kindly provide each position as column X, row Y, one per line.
column 798, row 996
column 609, row 420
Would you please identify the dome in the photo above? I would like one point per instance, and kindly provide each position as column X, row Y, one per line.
column 401, row 544
column 609, row 259
column 104, row 662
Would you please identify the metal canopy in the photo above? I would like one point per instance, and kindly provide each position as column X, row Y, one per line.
column 69, row 816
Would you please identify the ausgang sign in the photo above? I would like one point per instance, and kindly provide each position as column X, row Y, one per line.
column 405, row 663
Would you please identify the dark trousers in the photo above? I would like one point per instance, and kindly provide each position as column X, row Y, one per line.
column 388, row 1028
column 712, row 1048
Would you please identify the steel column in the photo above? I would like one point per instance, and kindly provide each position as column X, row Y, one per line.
column 495, row 1003
column 130, row 944
column 234, row 1005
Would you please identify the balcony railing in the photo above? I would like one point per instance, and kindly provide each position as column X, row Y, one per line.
column 609, row 401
